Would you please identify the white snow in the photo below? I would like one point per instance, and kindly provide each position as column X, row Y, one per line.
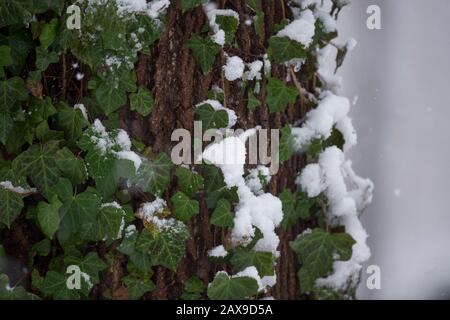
column 83, row 110
column 113, row 204
column 251, row 272
column 234, row 69
column 8, row 185
column 79, row 76
column 332, row 111
column 301, row 30
column 253, row 179
column 347, row 195
column 151, row 212
column 211, row 11
column 119, row 146
column 263, row 211
column 254, row 70
column 218, row 252
column 232, row 117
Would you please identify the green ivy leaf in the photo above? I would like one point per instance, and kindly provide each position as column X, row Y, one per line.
column 222, row 216
column 12, row 12
column 137, row 287
column 13, row 293
column 187, row 5
column 44, row 58
column 216, row 188
column 252, row 101
column 229, row 24
column 183, row 207
column 48, row 216
column 295, row 206
column 204, row 51
column 287, row 144
column 284, row 49
column 224, row 287
column 48, row 33
column 11, row 203
column 316, row 251
column 263, row 261
column 71, row 166
column 111, row 219
column 38, row 163
column 12, row 90
column 211, row 118
column 90, row 264
column 279, row 95
column 109, row 97
column 154, row 176
column 194, row 285
column 78, row 212
column 55, row 285
column 72, row 122
column 168, row 247
column 189, row 181
column 5, row 56
column 142, row 101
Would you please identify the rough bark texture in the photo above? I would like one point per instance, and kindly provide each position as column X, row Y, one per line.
column 177, row 83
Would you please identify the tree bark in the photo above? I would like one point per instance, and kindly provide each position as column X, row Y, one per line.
column 177, row 84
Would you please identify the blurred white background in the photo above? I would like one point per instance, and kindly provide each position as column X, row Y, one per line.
column 401, row 76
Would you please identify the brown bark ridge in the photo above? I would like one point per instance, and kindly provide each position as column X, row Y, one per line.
column 177, row 84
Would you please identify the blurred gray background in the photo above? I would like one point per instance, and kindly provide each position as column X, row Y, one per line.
column 401, row 78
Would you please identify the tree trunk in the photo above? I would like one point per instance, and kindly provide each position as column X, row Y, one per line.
column 177, row 84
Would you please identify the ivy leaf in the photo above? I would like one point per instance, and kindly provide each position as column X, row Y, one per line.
column 222, row 216
column 168, row 247
column 225, row 288
column 187, row 5
column 109, row 97
column 5, row 56
column 154, row 176
column 12, row 90
column 283, row 49
column 90, row 264
column 212, row 118
column 72, row 122
column 48, row 216
column 279, row 95
column 55, row 285
column 183, row 207
column 216, row 188
column 13, row 293
column 295, row 206
column 71, row 166
column 252, row 101
column 78, row 211
column 44, row 58
column 137, row 287
column 204, row 51
column 194, row 285
column 111, row 219
column 11, row 203
column 189, row 181
column 142, row 101
column 11, row 12
column 317, row 251
column 6, row 125
column 48, row 33
column 287, row 144
column 229, row 24
column 263, row 261
column 38, row 163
